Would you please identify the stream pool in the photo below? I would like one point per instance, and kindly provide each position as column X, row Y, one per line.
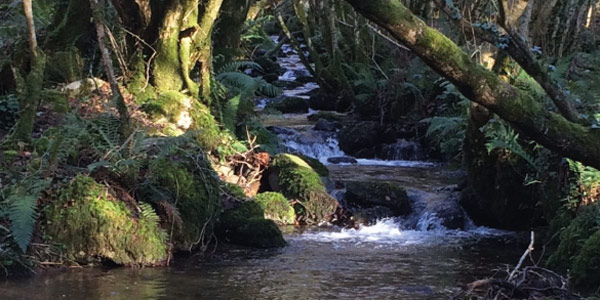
column 375, row 262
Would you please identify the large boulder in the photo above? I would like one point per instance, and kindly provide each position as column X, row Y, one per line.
column 358, row 136
column 370, row 194
column 297, row 180
column 324, row 125
column 246, row 225
column 322, row 101
column 290, row 105
column 90, row 222
column 188, row 183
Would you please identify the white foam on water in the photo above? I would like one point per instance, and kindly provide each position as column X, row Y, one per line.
column 389, row 231
column 394, row 163
column 320, row 151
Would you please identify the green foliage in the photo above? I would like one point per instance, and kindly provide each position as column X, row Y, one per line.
column 9, row 111
column 586, row 265
column 447, row 132
column 21, row 209
column 276, row 207
column 500, row 136
column 240, row 83
column 230, row 113
column 254, row 37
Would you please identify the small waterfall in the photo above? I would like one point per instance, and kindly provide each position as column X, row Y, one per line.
column 312, row 143
column 402, row 150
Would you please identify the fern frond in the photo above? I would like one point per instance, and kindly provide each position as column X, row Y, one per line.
column 22, row 215
column 148, row 214
column 235, row 66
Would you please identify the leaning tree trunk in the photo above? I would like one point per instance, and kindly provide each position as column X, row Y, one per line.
column 29, row 88
column 480, row 85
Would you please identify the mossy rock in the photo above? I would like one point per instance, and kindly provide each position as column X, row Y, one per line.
column 89, row 222
column 371, row 194
column 276, row 207
column 586, row 265
column 187, row 182
column 326, row 115
column 290, row 105
column 296, row 179
column 314, row 163
column 246, row 225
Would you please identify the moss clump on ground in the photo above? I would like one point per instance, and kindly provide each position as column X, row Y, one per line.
column 298, row 180
column 246, row 225
column 89, row 222
column 178, row 113
column 187, row 182
column 276, row 207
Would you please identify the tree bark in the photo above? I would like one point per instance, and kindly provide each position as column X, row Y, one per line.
column 481, row 85
column 184, row 40
column 519, row 51
column 29, row 88
column 108, row 67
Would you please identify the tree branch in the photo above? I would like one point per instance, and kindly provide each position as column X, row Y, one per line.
column 481, row 85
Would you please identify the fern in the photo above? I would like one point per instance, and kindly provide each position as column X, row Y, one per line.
column 503, row 137
column 447, row 132
column 148, row 214
column 235, row 66
column 230, row 112
column 22, row 205
column 239, row 82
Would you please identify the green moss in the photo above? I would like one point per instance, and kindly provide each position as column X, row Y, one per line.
column 89, row 222
column 246, row 225
column 8, row 156
column 319, row 167
column 276, row 207
column 234, row 190
column 586, row 265
column 139, row 86
column 57, row 99
column 66, row 66
column 298, row 180
column 186, row 181
column 179, row 113
column 169, row 105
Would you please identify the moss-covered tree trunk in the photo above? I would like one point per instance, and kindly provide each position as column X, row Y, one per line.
column 184, row 40
column 229, row 27
column 483, row 86
column 29, row 87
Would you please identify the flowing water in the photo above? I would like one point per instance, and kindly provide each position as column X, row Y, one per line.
column 413, row 257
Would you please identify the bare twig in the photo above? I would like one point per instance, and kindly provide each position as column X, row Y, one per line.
column 529, row 250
